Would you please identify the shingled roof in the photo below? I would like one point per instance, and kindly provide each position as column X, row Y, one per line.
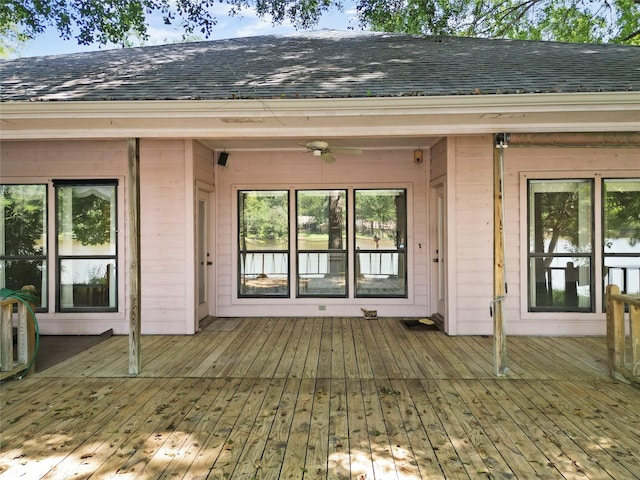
column 325, row 64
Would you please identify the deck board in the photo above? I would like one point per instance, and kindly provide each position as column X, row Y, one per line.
column 323, row 398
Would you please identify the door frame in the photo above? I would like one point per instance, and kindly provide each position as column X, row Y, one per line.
column 438, row 253
column 204, row 295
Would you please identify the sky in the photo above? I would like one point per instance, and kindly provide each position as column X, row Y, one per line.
column 245, row 25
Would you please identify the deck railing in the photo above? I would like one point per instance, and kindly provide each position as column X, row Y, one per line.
column 619, row 366
column 25, row 348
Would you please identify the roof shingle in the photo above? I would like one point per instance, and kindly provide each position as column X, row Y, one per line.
column 325, row 64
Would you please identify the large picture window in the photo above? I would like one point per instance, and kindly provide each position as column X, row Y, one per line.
column 563, row 262
column 86, row 244
column 23, row 238
column 322, row 243
column 263, row 235
column 621, row 234
column 381, row 243
column 329, row 239
column 560, row 245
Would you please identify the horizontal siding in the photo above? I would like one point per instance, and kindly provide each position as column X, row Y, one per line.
column 42, row 161
column 472, row 279
column 284, row 170
column 163, row 231
column 474, row 231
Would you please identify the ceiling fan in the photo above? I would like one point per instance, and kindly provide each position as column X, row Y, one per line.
column 322, row 149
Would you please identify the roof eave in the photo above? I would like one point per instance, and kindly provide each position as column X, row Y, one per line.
column 420, row 115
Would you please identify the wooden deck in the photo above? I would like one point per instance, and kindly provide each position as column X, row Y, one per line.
column 333, row 398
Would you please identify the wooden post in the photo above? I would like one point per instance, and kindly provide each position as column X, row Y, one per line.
column 615, row 330
column 26, row 331
column 6, row 336
column 499, row 285
column 134, row 255
column 634, row 320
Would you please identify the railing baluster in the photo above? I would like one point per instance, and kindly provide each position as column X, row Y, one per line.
column 619, row 368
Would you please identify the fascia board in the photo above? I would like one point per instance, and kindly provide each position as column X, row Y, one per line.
column 322, row 107
column 618, row 111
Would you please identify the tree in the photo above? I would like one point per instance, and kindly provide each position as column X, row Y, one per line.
column 560, row 20
column 118, row 21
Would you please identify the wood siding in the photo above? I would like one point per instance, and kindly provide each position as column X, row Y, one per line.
column 285, row 170
column 43, row 161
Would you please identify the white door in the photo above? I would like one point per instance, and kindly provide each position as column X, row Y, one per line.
column 204, row 260
column 438, row 242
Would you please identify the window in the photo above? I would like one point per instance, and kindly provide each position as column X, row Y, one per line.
column 23, row 238
column 263, row 243
column 560, row 245
column 380, row 243
column 322, row 243
column 563, row 261
column 621, row 234
column 86, row 245
column 324, row 248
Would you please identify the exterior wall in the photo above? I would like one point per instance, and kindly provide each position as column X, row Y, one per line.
column 42, row 161
column 470, row 197
column 261, row 170
column 166, row 235
column 167, row 178
column 522, row 163
column 470, row 234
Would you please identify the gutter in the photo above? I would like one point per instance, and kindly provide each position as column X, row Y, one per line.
column 340, row 117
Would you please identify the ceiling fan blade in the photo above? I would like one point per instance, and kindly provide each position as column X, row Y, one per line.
column 354, row 151
column 327, row 157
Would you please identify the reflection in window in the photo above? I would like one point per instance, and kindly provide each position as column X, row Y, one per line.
column 263, row 236
column 621, row 232
column 86, row 224
column 380, row 237
column 560, row 245
column 322, row 243
column 23, row 238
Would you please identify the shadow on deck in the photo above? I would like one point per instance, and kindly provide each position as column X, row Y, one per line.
column 339, row 398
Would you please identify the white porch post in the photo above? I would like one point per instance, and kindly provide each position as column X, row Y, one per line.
column 134, row 304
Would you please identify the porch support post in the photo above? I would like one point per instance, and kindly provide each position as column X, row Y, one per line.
column 133, row 294
column 499, row 283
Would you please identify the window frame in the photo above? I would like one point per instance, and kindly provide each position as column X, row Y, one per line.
column 402, row 252
column 59, row 258
column 293, row 267
column 43, row 292
column 533, row 255
column 240, row 252
column 329, row 251
column 597, row 278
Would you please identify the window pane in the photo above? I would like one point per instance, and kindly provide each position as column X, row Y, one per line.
column 23, row 238
column 560, row 283
column 381, row 233
column 322, row 274
column 621, row 242
column 560, row 216
column 264, row 220
column 381, row 219
column 87, row 220
column 15, row 274
column 322, row 219
column 87, row 283
column 380, row 274
column 264, row 274
column 263, row 235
